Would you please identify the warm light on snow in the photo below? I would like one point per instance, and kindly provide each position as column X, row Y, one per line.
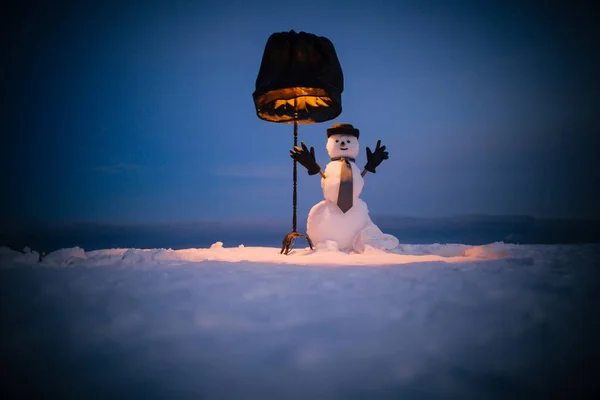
column 404, row 254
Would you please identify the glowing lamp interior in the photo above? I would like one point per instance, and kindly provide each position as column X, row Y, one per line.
column 306, row 105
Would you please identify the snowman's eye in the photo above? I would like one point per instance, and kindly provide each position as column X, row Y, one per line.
column 348, row 141
column 337, row 141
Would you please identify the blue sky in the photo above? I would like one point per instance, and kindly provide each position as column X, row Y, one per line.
column 143, row 112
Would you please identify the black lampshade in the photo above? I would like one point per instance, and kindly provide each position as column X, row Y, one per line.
column 299, row 74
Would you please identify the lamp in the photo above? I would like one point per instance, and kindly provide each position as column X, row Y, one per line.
column 300, row 81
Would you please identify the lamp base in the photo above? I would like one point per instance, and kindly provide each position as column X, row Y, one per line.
column 288, row 242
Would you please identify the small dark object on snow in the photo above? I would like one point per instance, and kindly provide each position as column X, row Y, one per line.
column 288, row 242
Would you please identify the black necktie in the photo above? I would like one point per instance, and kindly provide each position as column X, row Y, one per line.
column 346, row 186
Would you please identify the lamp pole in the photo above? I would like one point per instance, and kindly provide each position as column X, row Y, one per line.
column 288, row 241
column 295, row 202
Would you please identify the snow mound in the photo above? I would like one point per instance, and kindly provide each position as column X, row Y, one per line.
column 326, row 254
column 10, row 257
column 490, row 251
column 155, row 256
column 64, row 257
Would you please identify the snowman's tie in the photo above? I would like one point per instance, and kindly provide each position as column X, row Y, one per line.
column 346, row 186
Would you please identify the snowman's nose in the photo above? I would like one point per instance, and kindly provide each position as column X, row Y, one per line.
column 343, row 143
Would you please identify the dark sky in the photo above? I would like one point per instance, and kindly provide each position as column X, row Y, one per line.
column 143, row 111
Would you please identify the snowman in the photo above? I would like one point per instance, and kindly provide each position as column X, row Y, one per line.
column 341, row 221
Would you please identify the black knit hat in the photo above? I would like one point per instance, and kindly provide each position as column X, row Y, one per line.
column 342, row 129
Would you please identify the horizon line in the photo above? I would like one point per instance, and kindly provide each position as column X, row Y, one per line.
column 279, row 220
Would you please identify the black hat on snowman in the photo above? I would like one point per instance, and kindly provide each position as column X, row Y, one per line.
column 342, row 129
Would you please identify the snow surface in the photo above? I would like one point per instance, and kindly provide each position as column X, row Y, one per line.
column 426, row 321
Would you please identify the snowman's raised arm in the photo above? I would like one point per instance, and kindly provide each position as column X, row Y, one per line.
column 375, row 158
column 307, row 159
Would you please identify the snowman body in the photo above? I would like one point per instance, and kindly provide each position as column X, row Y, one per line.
column 327, row 224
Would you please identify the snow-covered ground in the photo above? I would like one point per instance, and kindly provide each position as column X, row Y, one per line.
column 427, row 321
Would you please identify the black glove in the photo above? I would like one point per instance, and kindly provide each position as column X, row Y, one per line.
column 375, row 158
column 306, row 158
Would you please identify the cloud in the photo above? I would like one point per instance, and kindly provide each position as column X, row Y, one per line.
column 119, row 168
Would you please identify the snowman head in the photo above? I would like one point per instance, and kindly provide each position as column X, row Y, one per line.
column 342, row 146
column 342, row 141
